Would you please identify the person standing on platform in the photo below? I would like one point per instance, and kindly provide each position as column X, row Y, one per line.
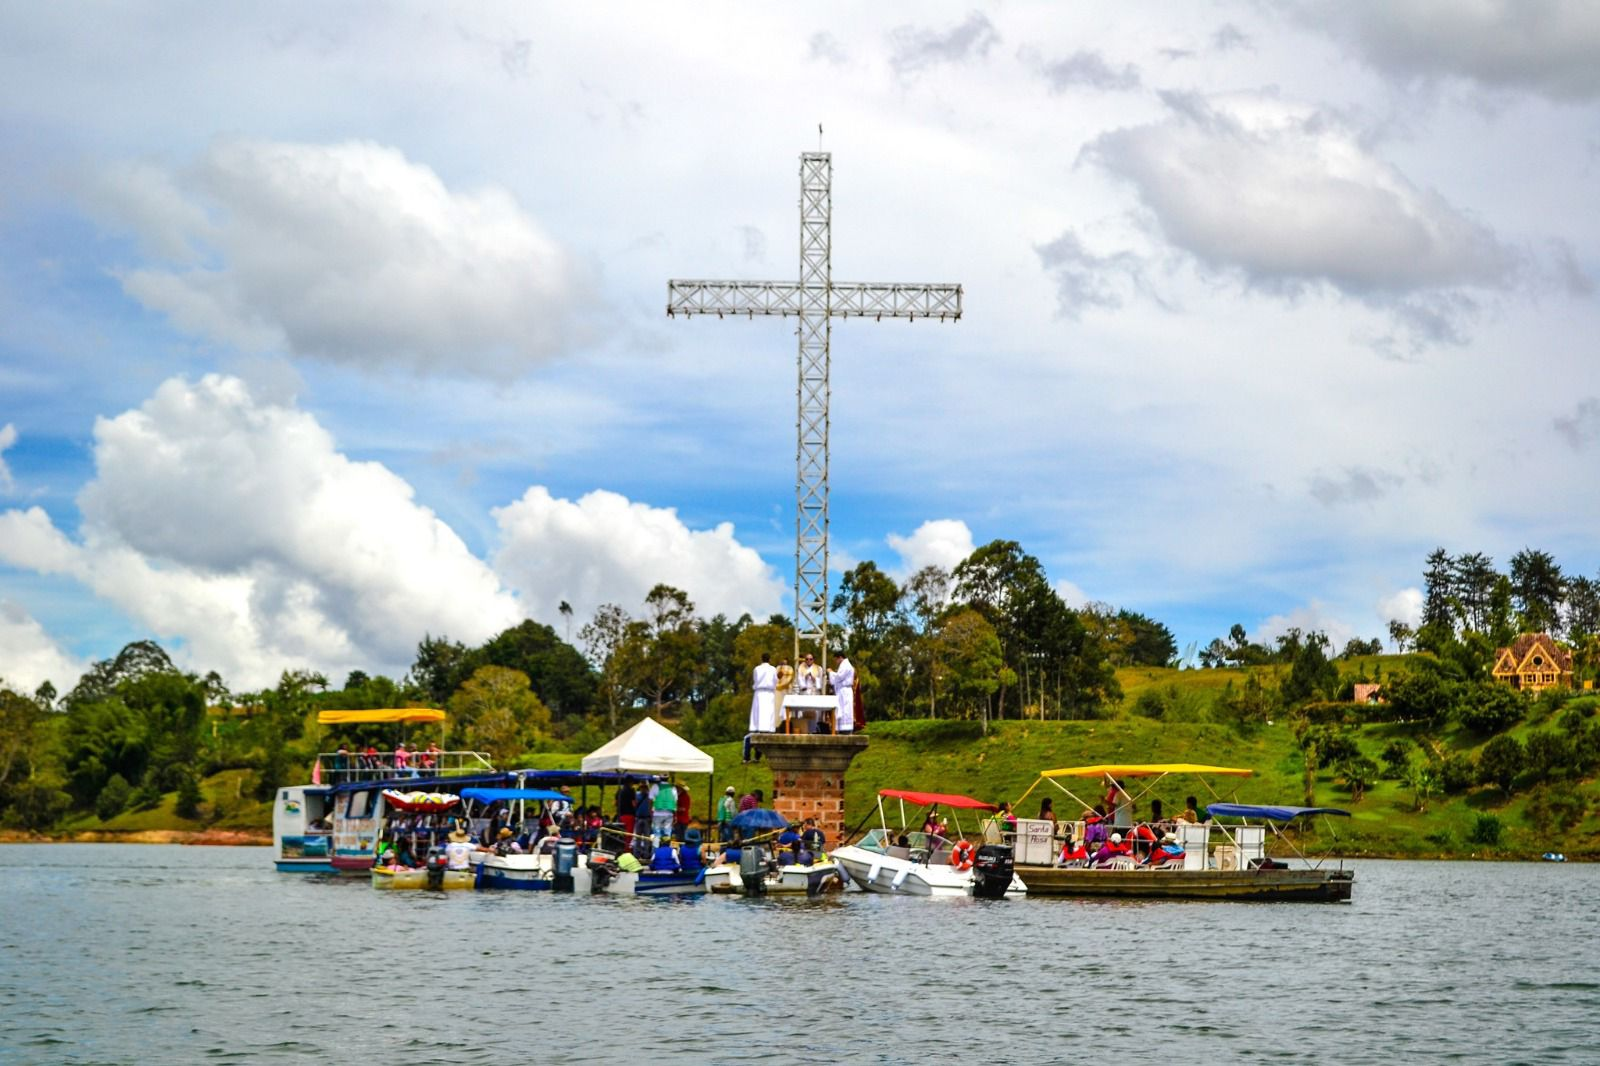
column 785, row 682
column 666, row 807
column 843, row 679
column 727, row 806
column 763, row 701
column 808, row 682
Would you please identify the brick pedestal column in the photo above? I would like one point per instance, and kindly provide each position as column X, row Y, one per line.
column 808, row 776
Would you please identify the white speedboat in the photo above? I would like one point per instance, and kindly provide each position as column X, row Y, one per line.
column 900, row 863
column 815, row 879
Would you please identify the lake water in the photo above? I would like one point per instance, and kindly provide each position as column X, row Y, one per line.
column 129, row 953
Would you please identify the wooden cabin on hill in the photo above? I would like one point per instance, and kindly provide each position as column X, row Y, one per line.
column 1533, row 662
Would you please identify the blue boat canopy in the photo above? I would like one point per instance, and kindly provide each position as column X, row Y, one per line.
column 490, row 795
column 1276, row 814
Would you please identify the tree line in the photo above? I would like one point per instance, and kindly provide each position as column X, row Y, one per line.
column 990, row 639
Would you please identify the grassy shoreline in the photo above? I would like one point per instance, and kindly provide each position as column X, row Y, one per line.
column 952, row 756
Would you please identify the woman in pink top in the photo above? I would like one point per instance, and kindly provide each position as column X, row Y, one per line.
column 402, row 757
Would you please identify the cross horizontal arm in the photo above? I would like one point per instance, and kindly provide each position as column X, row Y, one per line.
column 783, row 298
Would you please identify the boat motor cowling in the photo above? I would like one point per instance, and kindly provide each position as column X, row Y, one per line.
column 992, row 870
column 566, row 860
column 435, row 865
column 753, row 869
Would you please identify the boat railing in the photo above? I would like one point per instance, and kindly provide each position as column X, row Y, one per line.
column 1209, row 845
column 340, row 767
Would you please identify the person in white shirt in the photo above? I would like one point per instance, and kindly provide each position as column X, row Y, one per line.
column 763, row 701
column 843, row 679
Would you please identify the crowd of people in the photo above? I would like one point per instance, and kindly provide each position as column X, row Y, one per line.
column 772, row 686
column 651, row 827
column 1112, row 838
column 362, row 763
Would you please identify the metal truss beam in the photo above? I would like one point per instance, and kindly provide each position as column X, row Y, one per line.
column 847, row 299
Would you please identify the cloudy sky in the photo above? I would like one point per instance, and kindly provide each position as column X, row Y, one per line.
column 325, row 328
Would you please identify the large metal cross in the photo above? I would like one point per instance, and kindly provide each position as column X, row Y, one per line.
column 816, row 299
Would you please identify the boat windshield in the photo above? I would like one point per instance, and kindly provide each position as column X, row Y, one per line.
column 883, row 840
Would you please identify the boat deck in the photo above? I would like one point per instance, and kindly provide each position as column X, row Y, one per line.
column 1265, row 885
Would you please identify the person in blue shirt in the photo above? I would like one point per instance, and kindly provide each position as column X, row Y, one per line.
column 665, row 857
column 811, row 837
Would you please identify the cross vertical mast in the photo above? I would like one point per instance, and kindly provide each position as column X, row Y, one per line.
column 812, row 396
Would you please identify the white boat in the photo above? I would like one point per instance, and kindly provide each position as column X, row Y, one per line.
column 791, row 880
column 302, row 833
column 900, row 863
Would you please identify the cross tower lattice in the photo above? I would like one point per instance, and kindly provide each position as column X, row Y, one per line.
column 815, row 300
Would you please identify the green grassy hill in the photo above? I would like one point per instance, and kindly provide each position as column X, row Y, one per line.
column 951, row 756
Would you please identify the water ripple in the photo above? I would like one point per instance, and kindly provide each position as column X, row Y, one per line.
column 124, row 953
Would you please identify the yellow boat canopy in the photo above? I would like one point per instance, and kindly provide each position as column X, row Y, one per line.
column 1145, row 770
column 387, row 714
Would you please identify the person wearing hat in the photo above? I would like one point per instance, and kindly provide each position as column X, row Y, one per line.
column 1112, row 849
column 458, row 849
column 1169, row 850
column 505, row 842
column 726, row 807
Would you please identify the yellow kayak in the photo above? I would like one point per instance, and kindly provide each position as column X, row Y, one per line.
column 404, row 877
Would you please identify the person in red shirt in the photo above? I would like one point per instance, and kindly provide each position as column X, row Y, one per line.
column 1074, row 851
column 680, row 817
column 750, row 800
column 1112, row 849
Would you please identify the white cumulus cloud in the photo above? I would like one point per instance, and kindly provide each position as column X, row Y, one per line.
column 1549, row 47
column 605, row 548
column 940, row 542
column 1403, row 606
column 29, row 657
column 1312, row 617
column 1288, row 195
column 350, row 253
column 237, row 527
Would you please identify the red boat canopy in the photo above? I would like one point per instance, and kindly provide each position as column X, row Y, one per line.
column 928, row 799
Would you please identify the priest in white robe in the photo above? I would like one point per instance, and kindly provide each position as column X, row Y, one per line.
column 843, row 679
column 764, row 698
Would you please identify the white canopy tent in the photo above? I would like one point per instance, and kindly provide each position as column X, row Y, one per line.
column 648, row 748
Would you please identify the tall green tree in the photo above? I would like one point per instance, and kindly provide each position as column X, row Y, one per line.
column 1538, row 589
column 1475, row 577
column 1438, row 590
column 558, row 672
column 666, row 660
column 972, row 662
column 1582, row 615
column 497, row 711
column 603, row 637
column 1152, row 643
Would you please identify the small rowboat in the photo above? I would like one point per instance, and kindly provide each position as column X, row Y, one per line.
column 395, row 877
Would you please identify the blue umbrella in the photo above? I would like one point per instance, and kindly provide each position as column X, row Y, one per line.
column 759, row 818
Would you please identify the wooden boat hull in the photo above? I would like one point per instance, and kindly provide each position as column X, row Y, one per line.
column 1256, row 886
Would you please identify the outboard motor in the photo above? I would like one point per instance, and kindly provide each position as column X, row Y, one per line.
column 753, row 869
column 992, row 870
column 601, row 871
column 435, row 864
column 566, row 859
